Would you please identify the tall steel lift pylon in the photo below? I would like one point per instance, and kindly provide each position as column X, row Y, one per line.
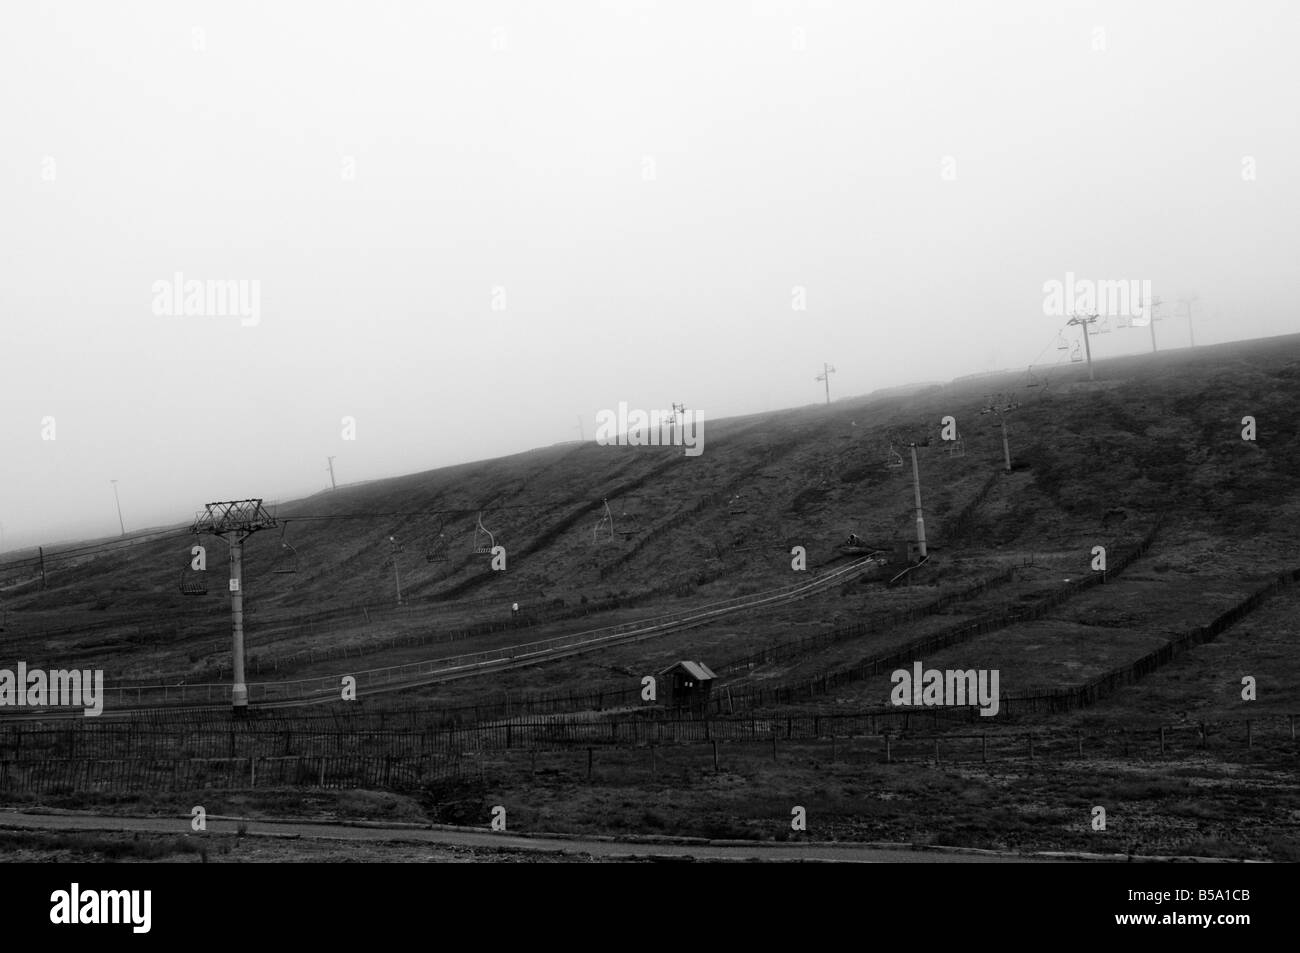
column 235, row 521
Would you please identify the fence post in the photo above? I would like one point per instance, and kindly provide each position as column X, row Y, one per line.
column 321, row 783
column 252, row 772
column 715, row 754
column 774, row 733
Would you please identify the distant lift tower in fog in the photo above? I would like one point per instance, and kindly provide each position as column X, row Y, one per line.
column 120, row 524
column 234, row 522
column 825, row 375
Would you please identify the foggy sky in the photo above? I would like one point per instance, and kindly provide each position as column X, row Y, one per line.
column 644, row 185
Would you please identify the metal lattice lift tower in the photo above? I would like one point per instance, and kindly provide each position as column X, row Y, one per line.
column 234, row 522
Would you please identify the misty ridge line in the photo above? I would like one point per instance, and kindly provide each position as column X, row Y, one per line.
column 657, row 419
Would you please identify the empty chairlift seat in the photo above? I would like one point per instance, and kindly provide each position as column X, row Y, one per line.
column 194, row 582
column 286, row 560
column 484, row 541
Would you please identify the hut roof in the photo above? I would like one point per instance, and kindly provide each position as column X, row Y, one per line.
column 697, row 670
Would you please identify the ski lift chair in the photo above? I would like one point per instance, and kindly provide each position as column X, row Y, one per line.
column 194, row 582
column 484, row 541
column 286, row 561
column 435, row 550
column 603, row 531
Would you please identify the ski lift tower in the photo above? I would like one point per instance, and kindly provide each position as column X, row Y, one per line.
column 825, row 375
column 920, row 518
column 1001, row 405
column 1187, row 304
column 1151, row 320
column 1085, row 321
column 235, row 521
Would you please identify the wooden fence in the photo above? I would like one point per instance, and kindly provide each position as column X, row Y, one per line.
column 840, row 736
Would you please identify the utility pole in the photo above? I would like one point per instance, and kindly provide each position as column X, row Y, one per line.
column 397, row 578
column 120, row 524
column 825, row 375
column 329, row 462
column 1085, row 321
column 236, row 519
column 920, row 518
column 1002, row 406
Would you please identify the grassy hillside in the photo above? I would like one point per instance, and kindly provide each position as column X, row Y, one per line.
column 1155, row 434
column 1148, row 462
